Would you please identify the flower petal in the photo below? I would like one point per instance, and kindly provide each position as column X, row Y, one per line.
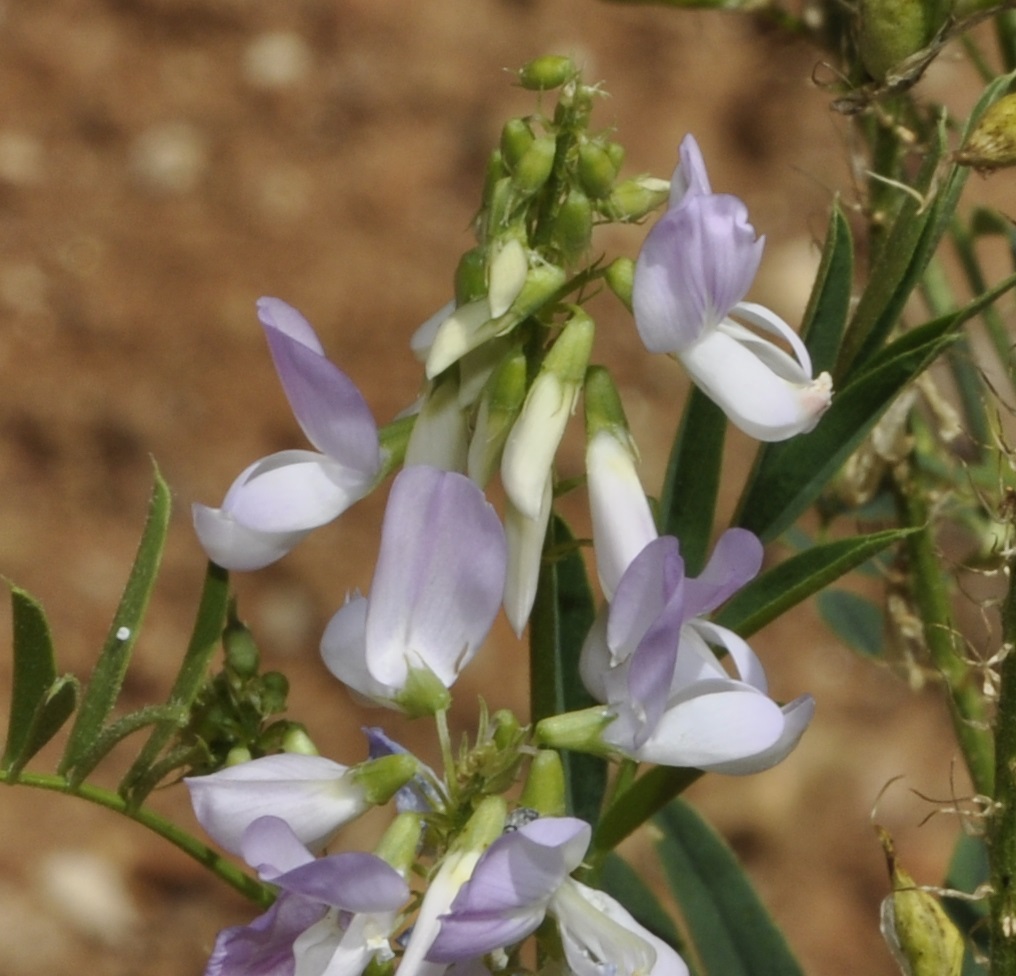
column 293, row 491
column 690, row 176
column 721, row 722
column 698, row 261
column 735, row 561
column 328, row 406
column 353, row 881
column 756, row 399
column 797, row 716
column 524, row 538
column 312, row 794
column 622, row 520
column 344, row 650
column 439, row 578
column 238, row 547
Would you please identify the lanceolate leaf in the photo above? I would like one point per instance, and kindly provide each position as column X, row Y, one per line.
column 789, row 476
column 561, row 618
column 826, row 315
column 107, row 677
column 688, row 502
column 729, row 928
column 777, row 590
column 205, row 637
column 51, row 712
column 34, row 671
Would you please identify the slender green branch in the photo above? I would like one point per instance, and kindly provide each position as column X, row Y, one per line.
column 930, row 591
column 1002, row 830
column 206, row 856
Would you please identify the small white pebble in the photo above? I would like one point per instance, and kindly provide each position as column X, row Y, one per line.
column 169, row 158
column 276, row 60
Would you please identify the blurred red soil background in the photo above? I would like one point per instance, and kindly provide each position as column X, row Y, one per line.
column 165, row 162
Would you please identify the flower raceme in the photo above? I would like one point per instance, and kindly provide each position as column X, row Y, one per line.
column 695, row 267
column 276, row 501
column 437, row 587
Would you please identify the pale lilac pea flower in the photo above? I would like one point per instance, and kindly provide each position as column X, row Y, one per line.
column 522, row 877
column 276, row 501
column 651, row 660
column 436, row 590
column 692, row 274
column 332, row 917
column 314, row 796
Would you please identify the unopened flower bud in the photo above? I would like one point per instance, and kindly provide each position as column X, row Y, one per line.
column 549, row 71
column 992, row 143
column 297, row 740
column 604, row 410
column 500, row 404
column 242, row 656
column 616, row 153
column 380, row 779
column 535, row 166
column 596, row 170
column 238, row 755
column 921, row 936
column 516, row 138
column 633, row 199
column 545, row 788
column 496, row 171
column 533, row 441
column 620, row 278
column 470, row 276
column 507, row 729
column 573, row 225
column 274, row 691
column 400, row 843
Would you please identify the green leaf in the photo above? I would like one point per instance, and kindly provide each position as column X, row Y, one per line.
column 205, row 637
column 732, row 933
column 692, row 482
column 108, row 674
column 855, row 620
column 795, row 579
column 561, row 618
column 619, row 880
column 790, row 475
column 34, row 671
column 826, row 316
column 50, row 714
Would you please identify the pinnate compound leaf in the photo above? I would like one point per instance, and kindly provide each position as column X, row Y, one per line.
column 729, row 928
column 107, row 677
column 778, row 589
column 34, row 671
column 205, row 636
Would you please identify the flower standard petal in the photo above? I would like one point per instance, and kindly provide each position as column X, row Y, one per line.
column 439, row 578
column 314, row 795
column 326, row 403
column 735, row 561
column 697, row 262
column 690, row 176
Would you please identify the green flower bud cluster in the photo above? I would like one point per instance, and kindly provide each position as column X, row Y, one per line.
column 231, row 720
column 552, row 179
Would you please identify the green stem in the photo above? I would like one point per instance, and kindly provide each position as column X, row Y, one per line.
column 247, row 886
column 930, row 590
column 1002, row 829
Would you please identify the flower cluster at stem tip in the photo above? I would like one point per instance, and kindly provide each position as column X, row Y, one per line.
column 505, row 365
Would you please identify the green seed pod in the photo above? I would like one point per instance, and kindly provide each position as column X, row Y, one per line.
column 921, row 936
column 992, row 144
column 534, row 168
column 596, row 170
column 549, row 71
column 890, row 31
column 573, row 225
column 470, row 276
column 516, row 138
